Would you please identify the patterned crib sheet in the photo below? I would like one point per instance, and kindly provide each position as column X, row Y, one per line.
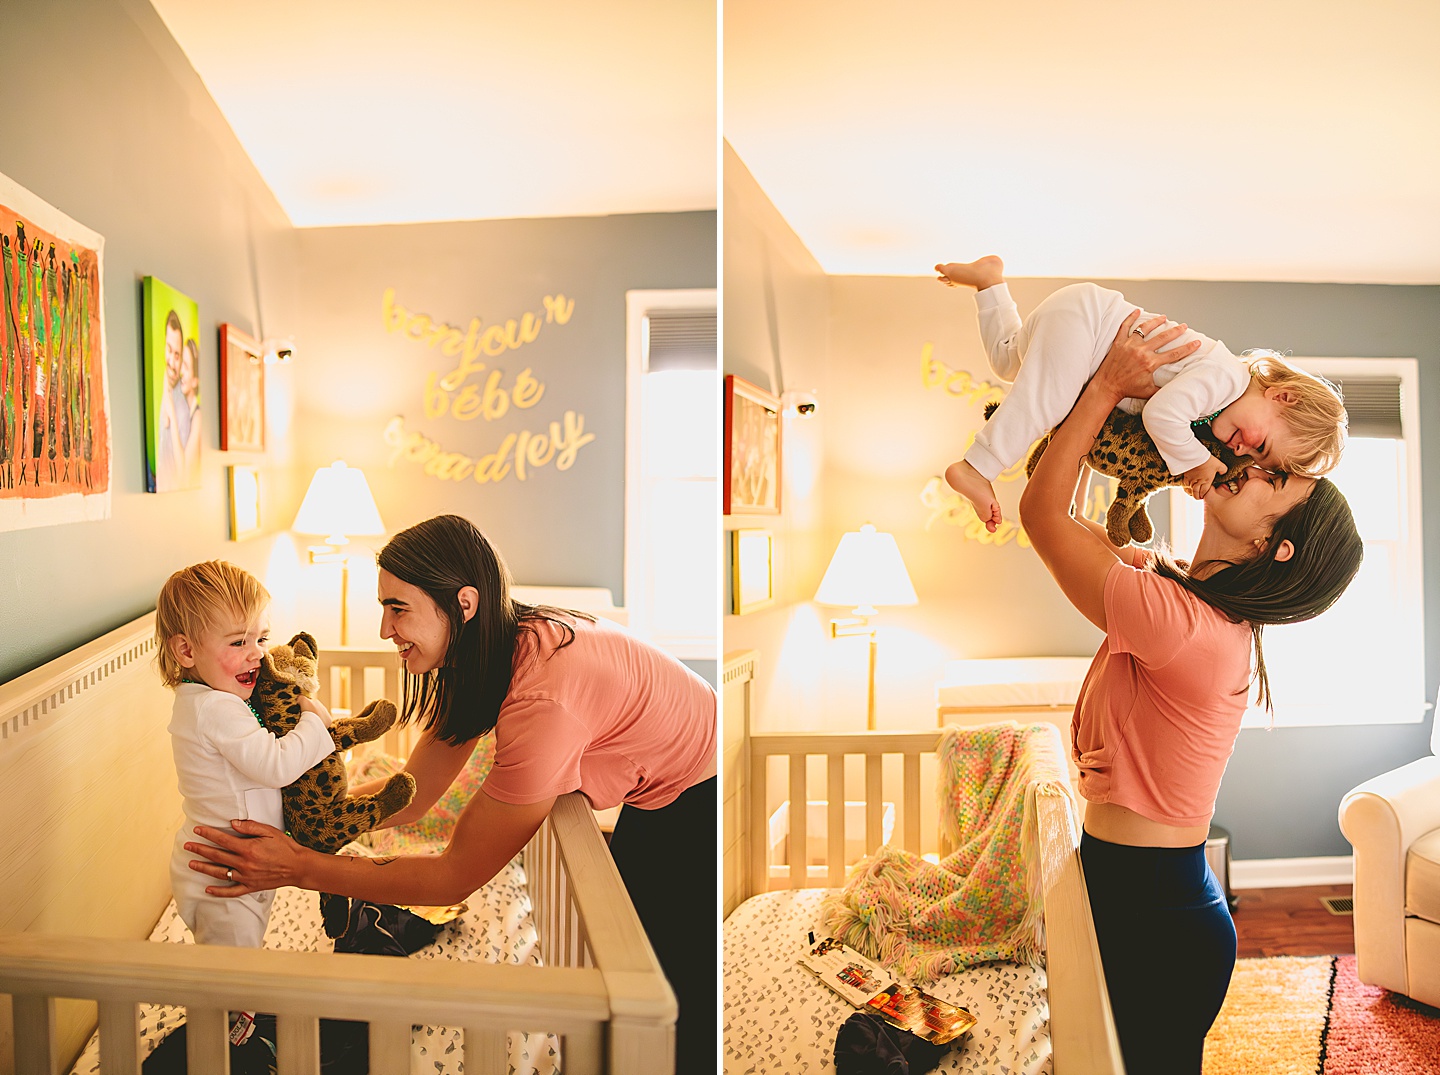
column 780, row 1020
column 497, row 928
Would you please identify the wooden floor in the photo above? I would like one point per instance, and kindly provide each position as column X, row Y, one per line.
column 1292, row 922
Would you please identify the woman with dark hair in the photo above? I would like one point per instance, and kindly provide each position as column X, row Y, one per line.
column 574, row 705
column 1160, row 708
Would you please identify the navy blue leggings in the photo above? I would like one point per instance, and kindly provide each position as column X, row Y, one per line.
column 1167, row 942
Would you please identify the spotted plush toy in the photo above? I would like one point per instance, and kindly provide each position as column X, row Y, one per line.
column 1124, row 451
column 318, row 812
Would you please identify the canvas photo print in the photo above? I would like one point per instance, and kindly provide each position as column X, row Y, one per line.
column 173, row 432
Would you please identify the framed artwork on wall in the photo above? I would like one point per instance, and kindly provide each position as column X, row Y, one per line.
column 173, row 431
column 751, row 483
column 54, row 398
column 242, row 392
column 752, row 570
column 244, row 502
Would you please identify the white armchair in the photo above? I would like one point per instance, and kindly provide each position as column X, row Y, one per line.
column 1393, row 822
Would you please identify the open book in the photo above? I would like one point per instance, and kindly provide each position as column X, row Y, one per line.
column 871, row 988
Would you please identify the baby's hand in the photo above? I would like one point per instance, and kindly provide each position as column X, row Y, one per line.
column 311, row 705
column 1200, row 480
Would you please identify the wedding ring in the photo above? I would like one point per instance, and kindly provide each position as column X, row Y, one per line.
column 229, row 875
column 1137, row 331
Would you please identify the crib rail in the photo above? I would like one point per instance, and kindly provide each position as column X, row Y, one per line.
column 798, row 747
column 1081, row 1024
column 350, row 678
column 601, row 991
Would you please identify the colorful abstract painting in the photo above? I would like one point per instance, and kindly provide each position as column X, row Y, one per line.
column 54, row 404
column 173, row 431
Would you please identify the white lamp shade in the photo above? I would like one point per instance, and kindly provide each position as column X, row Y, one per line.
column 866, row 571
column 339, row 504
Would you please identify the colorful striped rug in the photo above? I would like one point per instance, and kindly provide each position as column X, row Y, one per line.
column 1310, row 1015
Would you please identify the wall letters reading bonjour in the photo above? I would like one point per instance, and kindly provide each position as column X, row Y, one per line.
column 944, row 504
column 472, row 389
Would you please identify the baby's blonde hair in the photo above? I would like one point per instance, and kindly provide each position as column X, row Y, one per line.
column 1316, row 418
column 200, row 598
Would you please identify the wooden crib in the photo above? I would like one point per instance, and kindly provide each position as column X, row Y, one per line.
column 1082, row 1030
column 90, row 807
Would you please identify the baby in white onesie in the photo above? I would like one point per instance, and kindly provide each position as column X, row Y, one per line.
column 1283, row 418
column 211, row 627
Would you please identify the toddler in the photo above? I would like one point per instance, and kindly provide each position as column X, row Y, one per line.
column 1283, row 418
column 211, row 627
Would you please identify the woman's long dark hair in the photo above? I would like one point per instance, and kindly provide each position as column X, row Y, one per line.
column 1263, row 590
column 461, row 699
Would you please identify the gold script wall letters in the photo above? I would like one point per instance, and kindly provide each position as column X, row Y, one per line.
column 455, row 395
column 529, row 449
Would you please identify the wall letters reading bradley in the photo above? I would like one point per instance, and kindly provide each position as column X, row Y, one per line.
column 489, row 396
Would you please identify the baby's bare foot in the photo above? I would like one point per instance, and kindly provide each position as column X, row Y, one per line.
column 979, row 274
column 968, row 482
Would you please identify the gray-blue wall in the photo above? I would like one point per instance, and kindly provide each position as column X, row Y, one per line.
column 554, row 527
column 104, row 119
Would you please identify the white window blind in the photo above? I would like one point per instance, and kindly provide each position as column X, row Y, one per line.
column 672, row 471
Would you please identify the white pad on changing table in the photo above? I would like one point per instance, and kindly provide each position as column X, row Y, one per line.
column 1012, row 682
column 497, row 928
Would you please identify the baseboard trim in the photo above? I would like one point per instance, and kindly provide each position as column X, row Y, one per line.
column 1291, row 873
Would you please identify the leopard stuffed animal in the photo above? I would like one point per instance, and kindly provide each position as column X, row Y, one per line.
column 1124, row 451
column 318, row 812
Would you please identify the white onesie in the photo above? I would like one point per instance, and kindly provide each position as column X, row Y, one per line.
column 230, row 768
column 1056, row 350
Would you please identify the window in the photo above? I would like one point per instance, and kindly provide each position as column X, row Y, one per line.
column 672, row 489
column 1361, row 662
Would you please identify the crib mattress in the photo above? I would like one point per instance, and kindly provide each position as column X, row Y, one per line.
column 778, row 1018
column 497, row 928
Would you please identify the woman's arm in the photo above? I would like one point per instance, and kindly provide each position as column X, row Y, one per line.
column 434, row 764
column 1077, row 556
column 487, row 836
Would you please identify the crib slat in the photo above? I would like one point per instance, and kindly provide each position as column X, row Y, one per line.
column 389, row 1047
column 757, row 831
column 120, row 1052
column 207, row 1046
column 36, row 1043
column 874, row 801
column 580, row 1051
column 486, row 1052
column 912, row 803
column 835, row 820
column 796, row 844
column 297, row 1046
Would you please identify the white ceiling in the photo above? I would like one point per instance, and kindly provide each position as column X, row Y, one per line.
column 1221, row 140
column 378, row 111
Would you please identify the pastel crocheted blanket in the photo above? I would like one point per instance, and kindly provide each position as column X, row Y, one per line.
column 981, row 902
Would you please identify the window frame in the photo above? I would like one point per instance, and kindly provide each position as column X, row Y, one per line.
column 639, row 304
column 1409, row 561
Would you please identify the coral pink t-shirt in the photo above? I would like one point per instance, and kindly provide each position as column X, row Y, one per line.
column 1160, row 708
column 607, row 715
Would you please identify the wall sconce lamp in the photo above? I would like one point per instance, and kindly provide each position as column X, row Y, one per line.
column 865, row 572
column 277, row 350
column 339, row 505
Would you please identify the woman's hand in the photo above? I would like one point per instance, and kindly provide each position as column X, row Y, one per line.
column 261, row 857
column 1128, row 369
